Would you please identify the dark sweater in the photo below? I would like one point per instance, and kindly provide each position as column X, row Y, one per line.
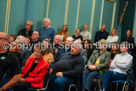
column 70, row 65
column 101, row 35
column 25, row 33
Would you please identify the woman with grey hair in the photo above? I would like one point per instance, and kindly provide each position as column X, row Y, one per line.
column 97, row 64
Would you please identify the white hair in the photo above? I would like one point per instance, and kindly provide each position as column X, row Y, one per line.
column 21, row 38
column 70, row 38
column 47, row 19
column 77, row 44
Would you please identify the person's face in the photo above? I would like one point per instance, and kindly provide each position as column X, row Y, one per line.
column 75, row 50
column 68, row 42
column 64, row 28
column 21, row 39
column 114, row 47
column 37, row 53
column 56, row 40
column 85, row 27
column 46, row 44
column 46, row 23
column 27, row 41
column 123, row 49
column 15, row 47
column 103, row 28
column 77, row 32
column 2, row 40
column 11, row 39
column 86, row 44
column 28, row 25
column 113, row 32
column 35, row 35
column 128, row 33
column 101, row 46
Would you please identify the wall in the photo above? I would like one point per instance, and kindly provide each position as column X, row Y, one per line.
column 74, row 13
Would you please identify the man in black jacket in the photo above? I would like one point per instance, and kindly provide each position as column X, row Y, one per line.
column 67, row 69
column 102, row 34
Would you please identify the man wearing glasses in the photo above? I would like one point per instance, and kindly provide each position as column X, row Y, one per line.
column 8, row 64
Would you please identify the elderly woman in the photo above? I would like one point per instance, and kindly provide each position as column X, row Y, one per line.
column 119, row 66
column 48, row 56
column 34, row 71
column 97, row 64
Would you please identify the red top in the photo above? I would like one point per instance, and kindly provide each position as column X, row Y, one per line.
column 36, row 77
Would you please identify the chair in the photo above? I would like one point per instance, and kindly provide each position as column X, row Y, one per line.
column 72, row 85
column 124, row 82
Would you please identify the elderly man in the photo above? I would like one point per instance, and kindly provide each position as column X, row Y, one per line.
column 47, row 31
column 102, row 34
column 28, row 29
column 68, row 44
column 8, row 63
column 67, row 69
column 85, row 33
column 58, row 49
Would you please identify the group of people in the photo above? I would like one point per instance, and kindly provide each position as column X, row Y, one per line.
column 66, row 59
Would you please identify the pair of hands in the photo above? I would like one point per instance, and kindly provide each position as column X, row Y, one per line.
column 59, row 74
column 92, row 67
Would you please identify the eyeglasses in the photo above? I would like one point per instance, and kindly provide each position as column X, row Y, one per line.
column 28, row 24
column 3, row 38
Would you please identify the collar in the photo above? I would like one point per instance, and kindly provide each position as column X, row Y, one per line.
column 47, row 27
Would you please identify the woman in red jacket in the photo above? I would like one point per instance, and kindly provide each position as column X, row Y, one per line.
column 34, row 71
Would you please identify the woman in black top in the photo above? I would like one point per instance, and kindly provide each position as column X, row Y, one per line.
column 77, row 35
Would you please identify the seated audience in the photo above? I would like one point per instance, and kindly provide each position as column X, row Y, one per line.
column 63, row 33
column 119, row 67
column 34, row 71
column 28, row 29
column 67, row 69
column 88, row 45
column 68, row 44
column 8, row 64
column 12, row 38
column 113, row 37
column 97, row 64
column 48, row 56
column 102, row 34
column 85, row 33
column 47, row 31
column 58, row 49
column 77, row 35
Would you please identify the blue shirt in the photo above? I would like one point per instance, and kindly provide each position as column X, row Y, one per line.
column 47, row 33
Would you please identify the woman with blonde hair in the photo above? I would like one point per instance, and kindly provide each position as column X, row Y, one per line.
column 113, row 37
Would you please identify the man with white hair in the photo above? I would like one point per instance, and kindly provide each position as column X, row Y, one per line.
column 67, row 69
column 47, row 31
column 28, row 29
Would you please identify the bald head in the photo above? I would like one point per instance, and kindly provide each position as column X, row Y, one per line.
column 3, row 39
column 57, row 39
column 68, row 42
column 4, row 35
